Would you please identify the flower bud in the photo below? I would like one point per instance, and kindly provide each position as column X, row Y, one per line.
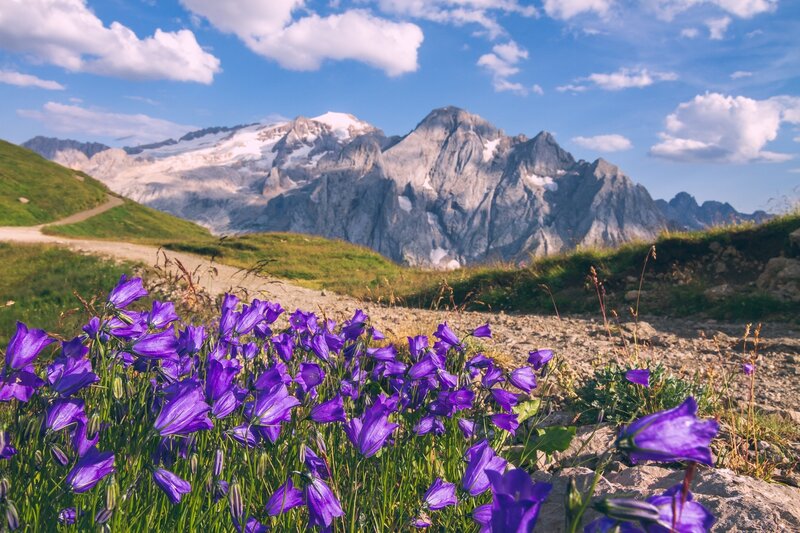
column 193, row 464
column 38, row 457
column 573, row 499
column 103, row 516
column 117, row 388
column 263, row 464
column 235, row 501
column 12, row 517
column 5, row 486
column 60, row 456
column 112, row 493
column 94, row 425
column 626, row 510
column 219, row 463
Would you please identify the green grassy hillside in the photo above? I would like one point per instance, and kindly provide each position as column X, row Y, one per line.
column 135, row 223
column 52, row 191
column 38, row 285
column 710, row 273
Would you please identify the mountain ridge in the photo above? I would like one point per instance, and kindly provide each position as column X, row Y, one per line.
column 455, row 190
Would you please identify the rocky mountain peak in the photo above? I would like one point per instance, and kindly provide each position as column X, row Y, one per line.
column 452, row 118
column 48, row 147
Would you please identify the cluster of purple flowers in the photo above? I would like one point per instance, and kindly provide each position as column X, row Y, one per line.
column 255, row 386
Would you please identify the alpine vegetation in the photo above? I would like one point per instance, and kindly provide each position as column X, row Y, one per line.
column 146, row 421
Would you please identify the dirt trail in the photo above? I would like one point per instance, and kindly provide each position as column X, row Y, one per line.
column 686, row 346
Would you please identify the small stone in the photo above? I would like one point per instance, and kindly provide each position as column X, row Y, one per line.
column 23, row 200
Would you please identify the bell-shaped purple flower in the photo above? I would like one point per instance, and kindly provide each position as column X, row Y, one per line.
column 285, row 498
column 64, row 413
column 185, row 413
column 516, row 500
column 70, row 372
column 428, row 424
column 440, row 495
column 638, row 376
column 161, row 345
column 323, row 505
column 417, row 346
column 446, row 336
column 173, row 486
column 25, row 346
column 748, row 369
column 539, row 358
column 672, row 435
column 219, row 377
column 523, row 378
column 191, row 339
column 126, row 292
column 162, row 314
column 507, row 421
column 20, row 384
column 67, row 516
column 483, row 331
column 329, row 411
column 310, row 375
column 7, row 451
column 687, row 514
column 369, row 433
column 467, row 427
column 505, row 399
column 480, row 459
column 90, row 469
column 273, row 407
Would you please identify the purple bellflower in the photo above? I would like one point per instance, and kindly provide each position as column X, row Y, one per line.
column 185, row 413
column 369, row 433
column 330, row 411
column 90, row 469
column 173, row 486
column 480, row 459
column 323, row 506
column 539, row 358
column 25, row 346
column 440, row 495
column 639, row 376
column 126, row 292
column 285, row 498
column 516, row 500
column 672, row 435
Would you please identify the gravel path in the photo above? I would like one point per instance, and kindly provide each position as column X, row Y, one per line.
column 687, row 346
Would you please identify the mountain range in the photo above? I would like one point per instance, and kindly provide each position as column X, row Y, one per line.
column 454, row 191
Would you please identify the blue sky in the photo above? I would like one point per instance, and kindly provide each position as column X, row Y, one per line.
column 695, row 95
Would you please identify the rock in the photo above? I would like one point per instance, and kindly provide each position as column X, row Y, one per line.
column 715, row 247
column 641, row 330
column 720, row 268
column 23, row 200
column 781, row 278
column 719, row 292
column 632, row 296
column 794, row 239
column 740, row 503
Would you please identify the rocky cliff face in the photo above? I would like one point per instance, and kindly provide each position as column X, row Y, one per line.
column 683, row 212
column 454, row 191
column 49, row 147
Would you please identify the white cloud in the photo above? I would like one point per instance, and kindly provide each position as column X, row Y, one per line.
column 484, row 13
column 629, row 78
column 566, row 9
column 717, row 28
column 624, row 78
column 571, row 88
column 501, row 63
column 690, row 33
column 726, row 129
column 92, row 123
column 270, row 30
column 741, row 74
column 27, row 80
column 537, row 89
column 68, row 34
column 668, row 9
column 604, row 143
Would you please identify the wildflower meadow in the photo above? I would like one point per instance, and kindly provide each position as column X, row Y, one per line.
column 144, row 421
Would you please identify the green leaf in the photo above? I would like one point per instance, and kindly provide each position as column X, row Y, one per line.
column 554, row 438
column 525, row 410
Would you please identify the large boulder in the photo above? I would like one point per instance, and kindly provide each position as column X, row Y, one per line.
column 781, row 278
